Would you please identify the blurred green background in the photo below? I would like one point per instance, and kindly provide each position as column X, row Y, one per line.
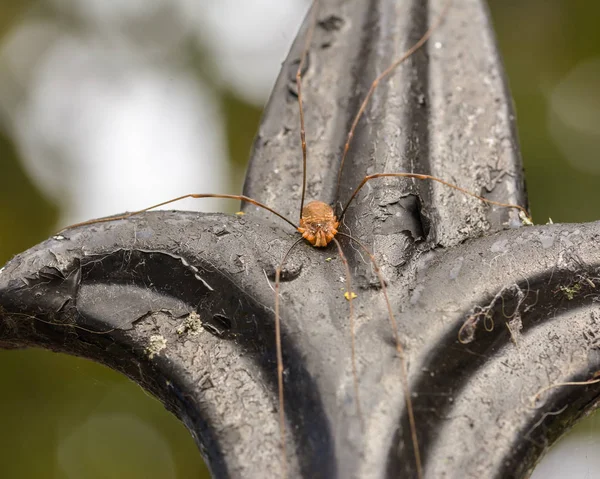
column 92, row 96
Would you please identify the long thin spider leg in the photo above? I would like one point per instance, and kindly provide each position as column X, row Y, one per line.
column 307, row 41
column 352, row 334
column 537, row 395
column 199, row 195
column 376, row 82
column 419, row 176
column 400, row 351
column 280, row 359
column 65, row 325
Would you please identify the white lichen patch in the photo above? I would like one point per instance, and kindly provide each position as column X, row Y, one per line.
column 192, row 325
column 156, row 344
column 525, row 219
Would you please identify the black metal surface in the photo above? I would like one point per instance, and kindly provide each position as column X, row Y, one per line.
column 180, row 302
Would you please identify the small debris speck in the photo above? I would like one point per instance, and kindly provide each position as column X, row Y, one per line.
column 240, row 213
column 571, row 291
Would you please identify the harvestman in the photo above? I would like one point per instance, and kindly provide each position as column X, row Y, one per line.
column 318, row 224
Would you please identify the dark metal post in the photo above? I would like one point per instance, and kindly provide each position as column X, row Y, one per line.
column 489, row 312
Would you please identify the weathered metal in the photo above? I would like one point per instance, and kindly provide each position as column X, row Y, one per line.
column 489, row 312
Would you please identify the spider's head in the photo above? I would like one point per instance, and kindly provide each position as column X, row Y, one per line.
column 318, row 224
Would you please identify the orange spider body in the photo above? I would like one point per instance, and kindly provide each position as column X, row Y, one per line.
column 318, row 224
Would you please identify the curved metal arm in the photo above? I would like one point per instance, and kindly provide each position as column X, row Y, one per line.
column 180, row 303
